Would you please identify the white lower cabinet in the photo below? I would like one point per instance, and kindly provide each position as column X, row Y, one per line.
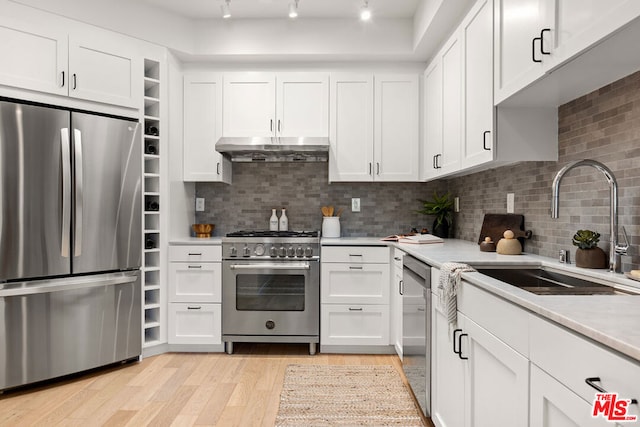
column 354, row 296
column 192, row 323
column 195, row 294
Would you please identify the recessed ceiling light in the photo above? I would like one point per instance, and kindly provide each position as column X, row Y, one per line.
column 293, row 9
column 226, row 10
column 365, row 12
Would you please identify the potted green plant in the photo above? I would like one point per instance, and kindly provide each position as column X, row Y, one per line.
column 440, row 207
column 588, row 254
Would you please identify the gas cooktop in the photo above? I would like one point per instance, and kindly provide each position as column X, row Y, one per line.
column 268, row 233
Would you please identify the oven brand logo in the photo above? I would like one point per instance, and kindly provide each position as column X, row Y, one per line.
column 611, row 408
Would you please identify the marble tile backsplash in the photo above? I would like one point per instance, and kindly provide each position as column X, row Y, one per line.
column 603, row 125
column 302, row 188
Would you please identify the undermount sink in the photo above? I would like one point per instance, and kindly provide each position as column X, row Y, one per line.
column 543, row 281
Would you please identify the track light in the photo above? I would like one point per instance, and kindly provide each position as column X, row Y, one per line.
column 365, row 12
column 226, row 11
column 293, row 9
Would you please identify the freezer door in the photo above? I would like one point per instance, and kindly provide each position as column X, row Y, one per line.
column 107, row 188
column 34, row 170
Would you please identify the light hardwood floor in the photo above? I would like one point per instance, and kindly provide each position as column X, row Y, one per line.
column 174, row 389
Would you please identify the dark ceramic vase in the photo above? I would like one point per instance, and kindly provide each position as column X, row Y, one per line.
column 591, row 258
column 441, row 230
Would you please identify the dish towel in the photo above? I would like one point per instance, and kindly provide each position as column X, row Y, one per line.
column 450, row 276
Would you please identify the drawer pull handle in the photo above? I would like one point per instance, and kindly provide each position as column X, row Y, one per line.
column 355, row 309
column 355, row 255
column 591, row 381
column 397, row 258
column 460, row 346
column 351, row 267
column 194, row 308
column 194, row 266
column 195, row 253
column 401, row 287
column 421, row 309
column 455, row 338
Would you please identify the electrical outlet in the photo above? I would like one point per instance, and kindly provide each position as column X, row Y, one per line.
column 456, row 204
column 199, row 204
column 510, row 202
column 355, row 204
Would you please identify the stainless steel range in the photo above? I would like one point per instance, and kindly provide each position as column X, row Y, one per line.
column 271, row 287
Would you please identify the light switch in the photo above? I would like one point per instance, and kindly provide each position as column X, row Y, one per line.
column 199, row 204
column 510, row 202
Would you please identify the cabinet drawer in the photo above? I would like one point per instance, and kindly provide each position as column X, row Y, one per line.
column 195, row 253
column 396, row 258
column 342, row 324
column 505, row 320
column 355, row 283
column 195, row 282
column 571, row 359
column 195, row 323
column 356, row 254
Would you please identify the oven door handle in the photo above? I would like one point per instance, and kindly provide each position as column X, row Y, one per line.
column 271, row 266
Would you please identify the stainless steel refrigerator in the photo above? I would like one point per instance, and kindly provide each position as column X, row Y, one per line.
column 70, row 241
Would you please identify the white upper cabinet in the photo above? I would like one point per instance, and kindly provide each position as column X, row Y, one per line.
column 351, row 124
column 396, row 139
column 374, row 127
column 275, row 105
column 534, row 37
column 89, row 64
column 477, row 34
column 302, row 104
column 443, row 111
column 203, row 128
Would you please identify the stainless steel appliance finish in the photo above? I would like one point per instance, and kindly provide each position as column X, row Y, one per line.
column 57, row 327
column 271, row 288
column 416, row 329
column 70, row 204
column 274, row 149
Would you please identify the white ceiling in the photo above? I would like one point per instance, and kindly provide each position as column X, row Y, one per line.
column 341, row 9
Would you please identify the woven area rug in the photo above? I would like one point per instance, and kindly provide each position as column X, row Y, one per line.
column 337, row 395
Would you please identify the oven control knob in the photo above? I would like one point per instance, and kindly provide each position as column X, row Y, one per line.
column 282, row 251
column 308, row 251
column 291, row 251
column 259, row 249
column 273, row 252
column 233, row 251
column 246, row 251
column 270, row 324
column 299, row 251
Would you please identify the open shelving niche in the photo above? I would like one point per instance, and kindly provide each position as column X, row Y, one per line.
column 153, row 213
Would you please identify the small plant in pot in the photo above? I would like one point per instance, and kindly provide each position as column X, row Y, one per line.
column 588, row 254
column 440, row 207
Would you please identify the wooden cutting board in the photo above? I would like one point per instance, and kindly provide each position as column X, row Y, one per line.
column 494, row 225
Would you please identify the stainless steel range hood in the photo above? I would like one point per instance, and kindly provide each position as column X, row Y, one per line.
column 265, row 149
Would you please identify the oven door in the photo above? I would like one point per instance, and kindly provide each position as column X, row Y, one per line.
column 271, row 298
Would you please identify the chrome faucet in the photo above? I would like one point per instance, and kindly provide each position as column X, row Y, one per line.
column 615, row 250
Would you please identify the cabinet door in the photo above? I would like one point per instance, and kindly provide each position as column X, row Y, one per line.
column 432, row 144
column 477, row 34
column 302, row 101
column 351, row 127
column 195, row 323
column 249, row 104
column 355, row 283
column 35, row 56
column 354, row 324
column 554, row 405
column 103, row 70
column 497, row 380
column 203, row 128
column 195, row 282
column 447, row 371
column 451, row 106
column 396, row 141
column 517, row 24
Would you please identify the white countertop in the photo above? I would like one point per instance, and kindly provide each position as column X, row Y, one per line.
column 612, row 320
column 196, row 241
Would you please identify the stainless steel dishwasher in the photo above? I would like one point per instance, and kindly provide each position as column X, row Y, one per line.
column 415, row 289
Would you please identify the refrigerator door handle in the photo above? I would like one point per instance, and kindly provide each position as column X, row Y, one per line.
column 65, row 150
column 79, row 199
column 21, row 289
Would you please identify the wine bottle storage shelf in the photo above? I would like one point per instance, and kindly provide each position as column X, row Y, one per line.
column 152, row 221
column 152, row 296
column 152, row 259
column 152, row 164
column 152, row 278
column 152, row 184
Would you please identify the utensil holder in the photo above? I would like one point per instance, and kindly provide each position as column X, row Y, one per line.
column 331, row 226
